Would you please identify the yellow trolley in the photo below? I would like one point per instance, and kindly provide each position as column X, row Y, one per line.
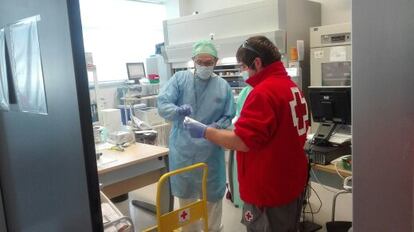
column 197, row 210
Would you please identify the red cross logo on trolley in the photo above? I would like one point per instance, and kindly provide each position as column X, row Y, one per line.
column 184, row 215
column 299, row 110
column 248, row 216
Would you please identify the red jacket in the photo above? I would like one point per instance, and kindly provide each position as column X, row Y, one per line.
column 273, row 124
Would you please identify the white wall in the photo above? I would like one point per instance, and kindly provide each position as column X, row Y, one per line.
column 335, row 11
column 117, row 32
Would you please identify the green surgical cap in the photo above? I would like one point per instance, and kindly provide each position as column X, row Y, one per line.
column 204, row 47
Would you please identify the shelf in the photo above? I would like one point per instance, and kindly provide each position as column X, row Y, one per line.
column 330, row 168
column 225, row 76
column 226, row 70
column 139, row 98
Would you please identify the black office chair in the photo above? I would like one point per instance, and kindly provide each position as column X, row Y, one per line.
column 147, row 137
column 340, row 226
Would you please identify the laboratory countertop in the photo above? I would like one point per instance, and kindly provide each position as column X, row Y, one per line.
column 148, row 97
column 136, row 153
column 330, row 168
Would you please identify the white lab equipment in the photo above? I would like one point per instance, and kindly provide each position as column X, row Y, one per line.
column 295, row 73
column 111, row 119
column 230, row 27
column 139, row 124
column 121, row 137
column 283, row 22
column 331, row 55
column 156, row 64
column 97, row 134
column 149, row 115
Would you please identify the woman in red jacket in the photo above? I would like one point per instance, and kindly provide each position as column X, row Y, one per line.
column 269, row 137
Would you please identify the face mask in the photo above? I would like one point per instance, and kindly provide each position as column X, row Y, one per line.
column 204, row 72
column 245, row 75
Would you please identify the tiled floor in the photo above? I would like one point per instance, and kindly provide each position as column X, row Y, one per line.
column 142, row 219
column 231, row 215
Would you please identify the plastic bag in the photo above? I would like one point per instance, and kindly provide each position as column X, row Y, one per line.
column 26, row 65
column 4, row 89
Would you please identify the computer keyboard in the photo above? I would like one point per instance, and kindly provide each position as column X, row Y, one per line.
column 339, row 138
column 336, row 138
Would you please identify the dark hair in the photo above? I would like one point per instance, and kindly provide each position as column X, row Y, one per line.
column 258, row 46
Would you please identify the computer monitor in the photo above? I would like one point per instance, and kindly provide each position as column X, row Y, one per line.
column 136, row 71
column 330, row 106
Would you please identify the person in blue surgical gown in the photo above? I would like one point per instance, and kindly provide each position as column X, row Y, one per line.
column 207, row 98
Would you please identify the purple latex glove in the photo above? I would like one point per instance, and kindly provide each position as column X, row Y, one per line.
column 184, row 110
column 196, row 128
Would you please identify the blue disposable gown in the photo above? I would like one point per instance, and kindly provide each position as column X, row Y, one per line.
column 212, row 102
